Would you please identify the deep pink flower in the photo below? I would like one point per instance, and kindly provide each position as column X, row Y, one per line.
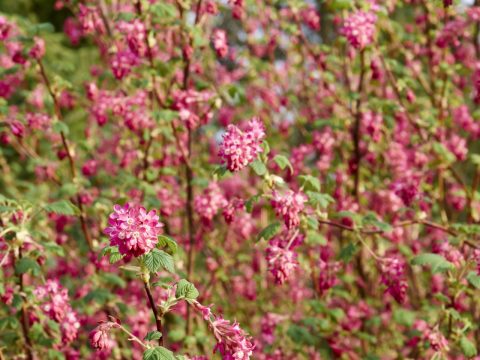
column 219, row 39
column 209, row 202
column 289, row 205
column 38, row 49
column 239, row 148
column 99, row 338
column 281, row 262
column 134, row 230
column 359, row 28
column 54, row 302
column 393, row 276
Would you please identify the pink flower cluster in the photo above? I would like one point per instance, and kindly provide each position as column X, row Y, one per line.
column 289, row 205
column 219, row 39
column 55, row 304
column 239, row 148
column 232, row 342
column 209, row 202
column 99, row 338
column 134, row 230
column 359, row 28
column 282, row 262
column 192, row 107
column 392, row 275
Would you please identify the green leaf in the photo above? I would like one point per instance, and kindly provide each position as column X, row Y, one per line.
column 165, row 115
column 283, row 162
column 443, row 153
column 158, row 353
column 153, row 335
column 371, row 219
column 24, row 265
column 63, row 207
column 114, row 280
column 157, row 259
column 54, row 248
column 113, row 252
column 249, row 203
column 186, row 289
column 310, row 182
column 437, row 262
column 220, row 171
column 259, row 167
column 468, row 347
column 322, row 200
column 347, row 253
column 163, row 10
column 60, row 127
column 269, row 232
column 315, row 238
column 474, row 279
column 164, row 240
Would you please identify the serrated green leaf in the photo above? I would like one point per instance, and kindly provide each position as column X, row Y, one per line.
column 153, row 335
column 269, row 232
column 63, row 207
column 158, row 353
column 186, row 289
column 322, row 200
column 157, row 259
column 437, row 262
column 310, row 182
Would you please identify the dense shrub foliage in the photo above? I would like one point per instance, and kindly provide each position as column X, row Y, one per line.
column 240, row 179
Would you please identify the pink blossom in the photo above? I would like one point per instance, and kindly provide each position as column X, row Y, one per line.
column 209, row 202
column 99, row 338
column 289, row 205
column 55, row 304
column 359, row 28
column 392, row 271
column 38, row 49
column 134, row 230
column 311, row 18
column 281, row 262
column 219, row 39
column 239, row 148
column 122, row 63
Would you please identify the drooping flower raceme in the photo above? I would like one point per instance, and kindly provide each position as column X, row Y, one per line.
column 288, row 205
column 359, row 28
column 232, row 342
column 239, row 148
column 56, row 305
column 210, row 202
column 282, row 262
column 99, row 336
column 393, row 277
column 134, row 230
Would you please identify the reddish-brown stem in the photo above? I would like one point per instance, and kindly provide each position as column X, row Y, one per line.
column 66, row 147
column 156, row 314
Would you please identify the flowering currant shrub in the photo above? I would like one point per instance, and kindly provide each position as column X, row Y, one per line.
column 239, row 179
